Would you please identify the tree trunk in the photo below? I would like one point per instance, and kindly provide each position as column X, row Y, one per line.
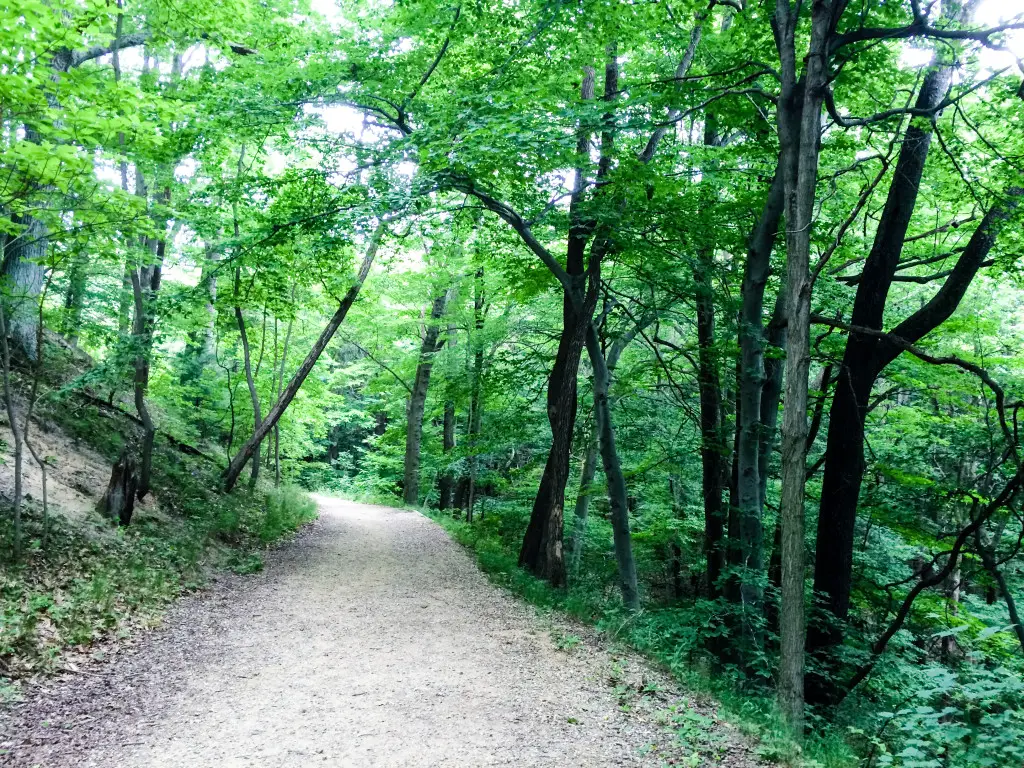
column 476, row 408
column 988, row 560
column 447, row 483
column 23, row 262
column 541, row 552
column 118, row 500
column 269, row 454
column 475, row 423
column 23, row 269
column 712, row 445
column 582, row 510
column 418, row 401
column 771, row 394
column 12, row 417
column 751, row 429
column 254, row 397
column 145, row 286
column 615, row 350
column 247, row 450
column 844, row 452
column 141, row 330
column 676, row 551
column 800, row 139
column 280, row 385
column 617, row 494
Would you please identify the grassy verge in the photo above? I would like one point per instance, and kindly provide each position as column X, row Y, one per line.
column 666, row 635
column 88, row 581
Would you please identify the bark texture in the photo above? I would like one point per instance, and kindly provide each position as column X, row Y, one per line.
column 800, row 139
column 118, row 502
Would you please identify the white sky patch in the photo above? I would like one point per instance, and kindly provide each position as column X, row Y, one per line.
column 329, row 10
column 186, row 169
column 915, row 58
column 993, row 13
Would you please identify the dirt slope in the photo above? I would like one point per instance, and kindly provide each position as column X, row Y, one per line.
column 371, row 640
column 76, row 477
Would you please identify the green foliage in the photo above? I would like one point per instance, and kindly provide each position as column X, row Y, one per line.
column 288, row 508
column 250, row 149
column 676, row 637
column 88, row 581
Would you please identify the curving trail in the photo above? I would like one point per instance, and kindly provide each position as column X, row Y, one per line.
column 370, row 640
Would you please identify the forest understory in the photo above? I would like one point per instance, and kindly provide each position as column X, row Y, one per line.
column 370, row 639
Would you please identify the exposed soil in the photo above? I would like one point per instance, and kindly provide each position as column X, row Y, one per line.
column 370, row 640
column 75, row 478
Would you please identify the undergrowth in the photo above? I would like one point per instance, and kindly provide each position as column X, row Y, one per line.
column 88, row 581
column 670, row 636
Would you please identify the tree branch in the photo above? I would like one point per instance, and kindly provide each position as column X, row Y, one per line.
column 124, row 41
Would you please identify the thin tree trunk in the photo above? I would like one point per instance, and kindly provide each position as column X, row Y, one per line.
column 254, row 397
column 617, row 493
column 418, row 401
column 476, row 410
column 475, row 423
column 446, row 482
column 800, row 138
column 247, row 450
column 751, row 429
column 269, row 455
column 582, row 510
column 141, row 381
column 37, row 370
column 712, row 447
column 280, row 385
column 615, row 350
column 12, row 417
column 145, row 287
column 988, row 560
column 676, row 551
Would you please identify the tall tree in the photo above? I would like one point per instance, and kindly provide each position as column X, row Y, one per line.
column 418, row 397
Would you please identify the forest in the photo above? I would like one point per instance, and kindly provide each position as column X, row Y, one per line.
column 699, row 320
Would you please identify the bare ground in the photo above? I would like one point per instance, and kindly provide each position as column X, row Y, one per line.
column 370, row 640
column 75, row 478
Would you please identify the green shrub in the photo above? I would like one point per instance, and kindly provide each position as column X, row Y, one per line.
column 288, row 508
column 92, row 580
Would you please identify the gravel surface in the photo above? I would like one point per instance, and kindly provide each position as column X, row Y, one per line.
column 372, row 639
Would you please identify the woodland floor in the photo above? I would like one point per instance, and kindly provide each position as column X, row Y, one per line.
column 371, row 639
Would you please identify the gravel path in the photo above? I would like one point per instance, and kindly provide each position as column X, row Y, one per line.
column 371, row 640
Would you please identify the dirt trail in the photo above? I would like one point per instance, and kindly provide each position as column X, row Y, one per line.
column 372, row 640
